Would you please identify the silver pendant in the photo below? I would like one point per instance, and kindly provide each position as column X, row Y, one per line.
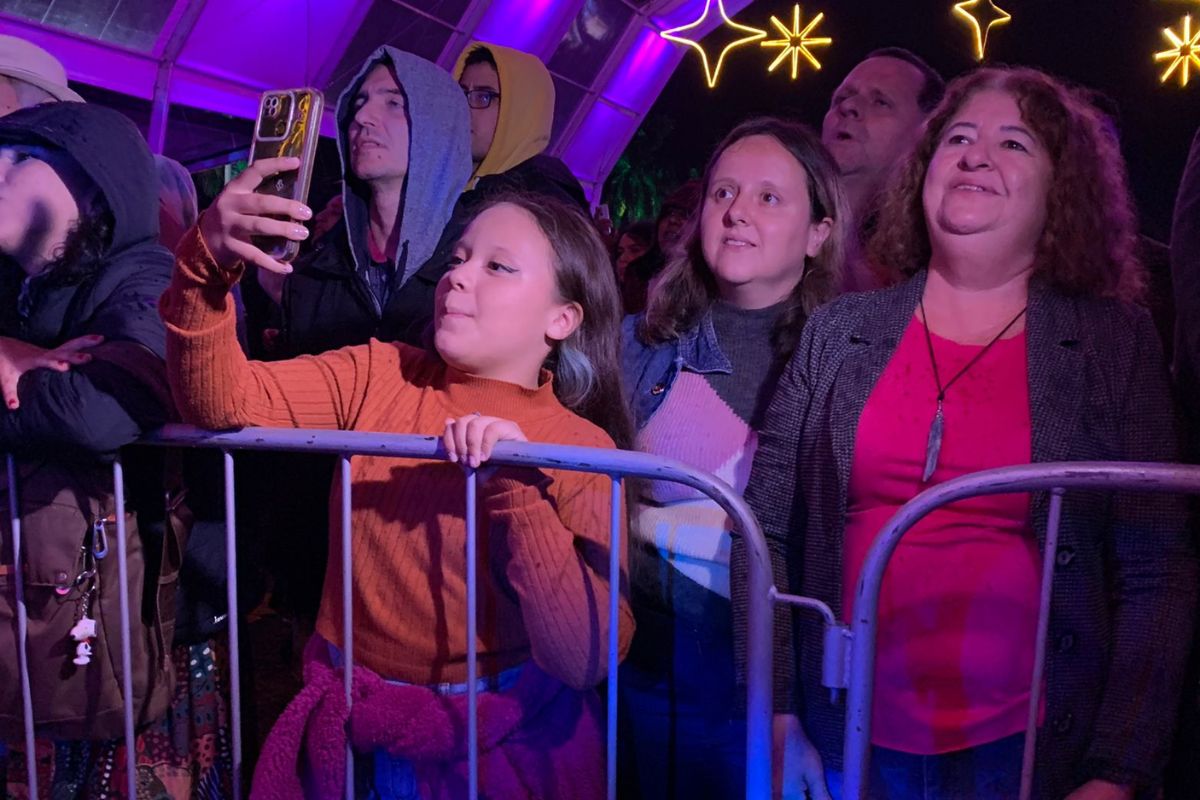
column 933, row 447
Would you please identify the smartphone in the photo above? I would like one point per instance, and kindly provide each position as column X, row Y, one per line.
column 288, row 124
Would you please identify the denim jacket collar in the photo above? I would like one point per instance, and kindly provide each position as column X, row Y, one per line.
column 698, row 351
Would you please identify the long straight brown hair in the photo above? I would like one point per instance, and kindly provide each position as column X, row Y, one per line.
column 688, row 288
column 586, row 365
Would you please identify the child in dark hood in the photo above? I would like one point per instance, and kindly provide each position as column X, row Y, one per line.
column 81, row 265
column 81, row 344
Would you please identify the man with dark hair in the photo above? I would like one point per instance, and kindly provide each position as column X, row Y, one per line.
column 874, row 119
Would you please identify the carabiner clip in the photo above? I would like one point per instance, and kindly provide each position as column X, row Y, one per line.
column 99, row 539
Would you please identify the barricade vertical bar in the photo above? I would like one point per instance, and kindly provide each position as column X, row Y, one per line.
column 126, row 652
column 347, row 611
column 235, row 652
column 614, row 622
column 14, row 515
column 759, row 586
column 472, row 667
column 1049, row 553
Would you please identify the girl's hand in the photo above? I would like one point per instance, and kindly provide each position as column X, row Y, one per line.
column 240, row 213
column 469, row 440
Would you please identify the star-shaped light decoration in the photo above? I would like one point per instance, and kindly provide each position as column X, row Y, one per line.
column 712, row 73
column 1185, row 54
column 982, row 16
column 795, row 42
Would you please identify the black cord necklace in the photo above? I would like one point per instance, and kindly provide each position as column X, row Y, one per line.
column 933, row 446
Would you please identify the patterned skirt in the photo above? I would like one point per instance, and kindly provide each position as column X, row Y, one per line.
column 188, row 754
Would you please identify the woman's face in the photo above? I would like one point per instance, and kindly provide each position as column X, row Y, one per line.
column 498, row 309
column 628, row 250
column 988, row 177
column 756, row 223
column 37, row 210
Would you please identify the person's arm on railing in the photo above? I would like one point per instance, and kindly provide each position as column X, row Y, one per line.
column 1154, row 576
column 213, row 383
column 89, row 395
column 556, row 547
column 63, row 400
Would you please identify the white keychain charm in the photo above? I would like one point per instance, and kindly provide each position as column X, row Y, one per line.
column 84, row 630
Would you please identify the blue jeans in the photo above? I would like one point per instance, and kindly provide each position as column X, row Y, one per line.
column 682, row 733
column 988, row 772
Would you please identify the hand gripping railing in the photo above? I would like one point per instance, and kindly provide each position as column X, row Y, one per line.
column 614, row 463
column 1057, row 478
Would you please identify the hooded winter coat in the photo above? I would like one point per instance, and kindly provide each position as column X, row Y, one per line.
column 98, row 407
column 328, row 301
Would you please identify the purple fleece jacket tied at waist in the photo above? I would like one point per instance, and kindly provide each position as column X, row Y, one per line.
column 538, row 740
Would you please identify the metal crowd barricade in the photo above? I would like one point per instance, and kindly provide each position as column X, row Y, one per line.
column 858, row 654
column 614, row 463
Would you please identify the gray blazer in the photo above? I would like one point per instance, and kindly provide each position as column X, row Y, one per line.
column 1126, row 575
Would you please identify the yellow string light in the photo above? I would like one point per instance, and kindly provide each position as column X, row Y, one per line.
column 992, row 16
column 712, row 74
column 1184, row 56
column 796, row 41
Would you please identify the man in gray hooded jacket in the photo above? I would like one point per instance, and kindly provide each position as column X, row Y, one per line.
column 404, row 142
column 405, row 146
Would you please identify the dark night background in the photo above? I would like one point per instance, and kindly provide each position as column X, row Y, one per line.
column 1105, row 44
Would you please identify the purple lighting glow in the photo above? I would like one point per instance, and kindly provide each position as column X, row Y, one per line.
column 535, row 26
column 638, row 80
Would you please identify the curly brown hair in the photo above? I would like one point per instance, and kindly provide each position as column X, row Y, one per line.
column 687, row 287
column 1088, row 244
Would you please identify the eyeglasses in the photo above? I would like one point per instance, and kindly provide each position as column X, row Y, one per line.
column 481, row 98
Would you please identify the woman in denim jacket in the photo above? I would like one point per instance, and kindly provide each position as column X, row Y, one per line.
column 762, row 251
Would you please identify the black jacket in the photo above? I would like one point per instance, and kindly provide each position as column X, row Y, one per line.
column 98, row 407
column 327, row 304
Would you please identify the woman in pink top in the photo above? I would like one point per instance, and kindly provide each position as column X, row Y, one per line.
column 1012, row 339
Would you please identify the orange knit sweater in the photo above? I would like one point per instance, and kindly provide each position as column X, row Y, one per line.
column 543, row 537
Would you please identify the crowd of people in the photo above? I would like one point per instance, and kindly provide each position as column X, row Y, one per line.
column 942, row 280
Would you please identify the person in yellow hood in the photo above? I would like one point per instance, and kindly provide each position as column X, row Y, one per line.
column 511, row 99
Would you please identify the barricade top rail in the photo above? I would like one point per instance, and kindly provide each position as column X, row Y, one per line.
column 400, row 445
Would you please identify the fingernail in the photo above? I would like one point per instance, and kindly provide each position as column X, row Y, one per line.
column 300, row 232
column 453, row 458
column 474, row 461
column 306, row 213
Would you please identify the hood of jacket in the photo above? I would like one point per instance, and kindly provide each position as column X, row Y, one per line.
column 118, row 301
column 439, row 159
column 526, row 108
column 110, row 149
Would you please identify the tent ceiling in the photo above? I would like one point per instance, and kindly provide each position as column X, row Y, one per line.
column 608, row 62
column 606, row 58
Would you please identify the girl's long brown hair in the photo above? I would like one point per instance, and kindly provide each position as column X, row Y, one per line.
column 586, row 365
